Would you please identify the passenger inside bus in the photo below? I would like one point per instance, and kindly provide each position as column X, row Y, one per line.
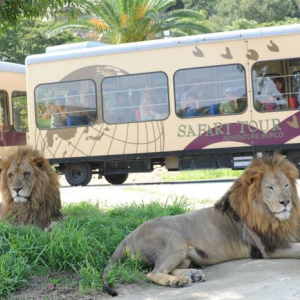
column 201, row 102
column 186, row 109
column 73, row 110
column 195, row 87
column 269, row 104
column 160, row 99
column 56, row 113
column 89, row 104
column 136, row 101
column 147, row 112
column 241, row 104
column 124, row 112
column 190, row 106
column 280, row 93
column 229, row 105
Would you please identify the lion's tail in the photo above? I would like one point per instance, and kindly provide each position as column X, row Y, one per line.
column 117, row 256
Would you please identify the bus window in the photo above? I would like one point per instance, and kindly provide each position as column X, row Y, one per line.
column 4, row 111
column 135, row 98
column 296, row 88
column 20, row 116
column 65, row 104
column 210, row 91
column 276, row 85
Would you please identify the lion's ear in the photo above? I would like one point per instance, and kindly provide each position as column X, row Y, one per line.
column 38, row 161
column 251, row 176
column 291, row 171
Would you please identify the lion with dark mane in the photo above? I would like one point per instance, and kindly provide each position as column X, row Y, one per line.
column 258, row 217
column 29, row 188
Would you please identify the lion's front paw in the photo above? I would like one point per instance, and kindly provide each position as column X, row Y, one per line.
column 196, row 275
column 181, row 281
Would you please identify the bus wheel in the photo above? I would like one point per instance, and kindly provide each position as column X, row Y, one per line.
column 116, row 178
column 78, row 174
column 294, row 157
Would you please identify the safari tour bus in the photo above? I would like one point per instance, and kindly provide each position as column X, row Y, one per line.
column 13, row 106
column 196, row 102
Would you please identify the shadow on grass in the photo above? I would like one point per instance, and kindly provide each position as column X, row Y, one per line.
column 81, row 244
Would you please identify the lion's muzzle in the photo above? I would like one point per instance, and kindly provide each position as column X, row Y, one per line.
column 17, row 195
column 20, row 199
column 284, row 202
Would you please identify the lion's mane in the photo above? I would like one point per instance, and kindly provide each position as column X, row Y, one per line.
column 244, row 201
column 44, row 203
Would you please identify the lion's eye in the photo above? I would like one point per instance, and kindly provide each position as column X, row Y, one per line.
column 26, row 174
column 287, row 185
column 270, row 188
column 10, row 175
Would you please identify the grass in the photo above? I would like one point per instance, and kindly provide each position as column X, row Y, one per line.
column 82, row 244
column 202, row 175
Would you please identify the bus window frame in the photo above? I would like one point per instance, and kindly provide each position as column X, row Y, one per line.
column 135, row 74
column 283, row 76
column 8, row 112
column 12, row 106
column 62, row 82
column 294, row 73
column 209, row 115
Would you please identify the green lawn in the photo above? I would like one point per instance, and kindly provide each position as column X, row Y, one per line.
column 82, row 244
column 202, row 175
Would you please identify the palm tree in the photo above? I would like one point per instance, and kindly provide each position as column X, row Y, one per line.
column 123, row 21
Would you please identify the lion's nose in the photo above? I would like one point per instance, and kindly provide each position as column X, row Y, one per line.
column 284, row 202
column 17, row 190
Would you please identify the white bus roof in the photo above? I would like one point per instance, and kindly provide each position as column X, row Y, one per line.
column 11, row 67
column 90, row 50
column 73, row 46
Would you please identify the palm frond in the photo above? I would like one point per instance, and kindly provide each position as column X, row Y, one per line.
column 178, row 33
column 185, row 13
column 107, row 12
column 161, row 6
column 65, row 28
column 188, row 27
column 123, row 21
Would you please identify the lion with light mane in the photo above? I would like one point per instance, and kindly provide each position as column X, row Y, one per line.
column 258, row 217
column 29, row 188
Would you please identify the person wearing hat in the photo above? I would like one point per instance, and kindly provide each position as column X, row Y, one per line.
column 230, row 105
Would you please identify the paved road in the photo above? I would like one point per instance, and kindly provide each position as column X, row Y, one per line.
column 236, row 280
column 243, row 279
column 195, row 193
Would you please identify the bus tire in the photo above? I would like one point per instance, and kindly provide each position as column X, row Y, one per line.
column 294, row 157
column 78, row 174
column 116, row 178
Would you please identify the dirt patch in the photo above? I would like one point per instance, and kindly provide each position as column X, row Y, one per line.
column 61, row 286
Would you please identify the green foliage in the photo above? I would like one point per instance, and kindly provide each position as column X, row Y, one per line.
column 242, row 24
column 207, row 6
column 245, row 24
column 14, row 269
column 29, row 37
column 126, row 21
column 19, row 103
column 13, row 10
column 260, row 11
column 82, row 243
